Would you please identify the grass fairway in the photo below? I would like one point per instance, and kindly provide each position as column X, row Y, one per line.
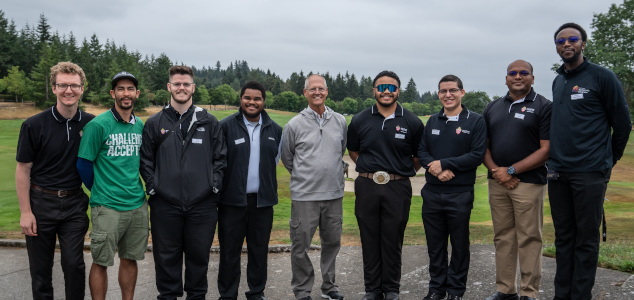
column 619, row 210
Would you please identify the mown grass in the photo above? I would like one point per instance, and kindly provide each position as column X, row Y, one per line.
column 616, row 256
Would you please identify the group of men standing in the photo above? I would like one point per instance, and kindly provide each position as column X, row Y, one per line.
column 200, row 172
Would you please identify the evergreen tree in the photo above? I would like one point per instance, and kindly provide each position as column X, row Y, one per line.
column 410, row 94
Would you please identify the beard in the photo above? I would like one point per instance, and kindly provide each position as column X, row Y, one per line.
column 571, row 59
column 385, row 104
column 119, row 103
column 181, row 101
column 252, row 115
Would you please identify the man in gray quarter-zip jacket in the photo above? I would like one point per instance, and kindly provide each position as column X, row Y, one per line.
column 313, row 144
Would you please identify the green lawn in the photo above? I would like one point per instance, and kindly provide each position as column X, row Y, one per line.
column 619, row 210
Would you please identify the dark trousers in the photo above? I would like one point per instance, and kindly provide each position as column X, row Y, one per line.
column 235, row 223
column 175, row 232
column 576, row 205
column 446, row 216
column 64, row 218
column 382, row 212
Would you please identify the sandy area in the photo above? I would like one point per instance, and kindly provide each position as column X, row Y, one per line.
column 417, row 182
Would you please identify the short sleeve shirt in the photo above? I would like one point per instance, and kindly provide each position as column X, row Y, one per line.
column 515, row 130
column 385, row 144
column 113, row 146
column 50, row 142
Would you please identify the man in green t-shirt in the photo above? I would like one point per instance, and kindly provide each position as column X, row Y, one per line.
column 109, row 158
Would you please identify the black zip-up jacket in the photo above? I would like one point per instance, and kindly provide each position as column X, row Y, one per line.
column 588, row 102
column 460, row 147
column 184, row 170
column 235, row 181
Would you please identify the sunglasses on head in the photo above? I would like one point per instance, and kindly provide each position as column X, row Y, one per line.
column 522, row 73
column 390, row 87
column 572, row 40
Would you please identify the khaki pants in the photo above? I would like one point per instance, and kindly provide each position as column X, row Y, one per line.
column 517, row 216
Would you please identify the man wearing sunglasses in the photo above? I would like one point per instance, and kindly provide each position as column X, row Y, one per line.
column 517, row 150
column 451, row 149
column 383, row 142
column 183, row 160
column 589, row 130
column 46, row 176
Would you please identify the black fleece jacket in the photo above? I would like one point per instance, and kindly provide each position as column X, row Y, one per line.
column 460, row 147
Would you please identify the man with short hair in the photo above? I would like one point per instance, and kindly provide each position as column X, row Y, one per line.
column 46, row 178
column 383, row 141
column 313, row 144
column 183, row 159
column 249, row 193
column 517, row 149
column 451, row 149
column 589, row 130
column 108, row 163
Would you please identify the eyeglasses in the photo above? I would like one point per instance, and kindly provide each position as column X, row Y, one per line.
column 522, row 73
column 572, row 40
column 321, row 90
column 453, row 91
column 390, row 87
column 178, row 85
column 74, row 87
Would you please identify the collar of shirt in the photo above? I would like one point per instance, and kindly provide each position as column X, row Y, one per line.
column 59, row 118
column 562, row 70
column 252, row 124
column 317, row 116
column 175, row 113
column 397, row 113
column 464, row 114
column 530, row 97
column 118, row 117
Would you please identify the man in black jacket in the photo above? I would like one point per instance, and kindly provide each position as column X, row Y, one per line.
column 589, row 130
column 451, row 149
column 183, row 160
column 249, row 193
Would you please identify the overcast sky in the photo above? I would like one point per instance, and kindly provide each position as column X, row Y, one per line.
column 424, row 40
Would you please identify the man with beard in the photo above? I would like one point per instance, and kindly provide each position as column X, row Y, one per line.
column 517, row 149
column 313, row 144
column 451, row 149
column 109, row 167
column 589, row 130
column 249, row 193
column 183, row 159
column 383, row 142
column 46, row 176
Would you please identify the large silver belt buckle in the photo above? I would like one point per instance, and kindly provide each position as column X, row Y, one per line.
column 381, row 177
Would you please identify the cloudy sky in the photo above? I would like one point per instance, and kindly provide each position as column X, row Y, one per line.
column 424, row 40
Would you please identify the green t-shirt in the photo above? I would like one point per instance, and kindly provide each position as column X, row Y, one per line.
column 113, row 147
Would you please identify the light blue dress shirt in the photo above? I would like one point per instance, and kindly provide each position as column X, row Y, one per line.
column 253, row 175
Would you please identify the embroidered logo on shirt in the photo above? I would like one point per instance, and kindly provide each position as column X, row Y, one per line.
column 458, row 130
column 81, row 133
column 580, row 90
column 162, row 131
column 524, row 109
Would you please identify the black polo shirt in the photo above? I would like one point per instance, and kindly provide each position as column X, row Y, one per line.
column 51, row 143
column 515, row 130
column 385, row 144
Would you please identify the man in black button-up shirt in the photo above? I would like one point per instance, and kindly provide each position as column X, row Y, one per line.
column 52, row 202
column 383, row 138
column 518, row 144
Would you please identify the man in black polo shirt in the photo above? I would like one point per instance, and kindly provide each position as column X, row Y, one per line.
column 451, row 149
column 52, row 202
column 588, row 104
column 249, row 193
column 518, row 143
column 382, row 141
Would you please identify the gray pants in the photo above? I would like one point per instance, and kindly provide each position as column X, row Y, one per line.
column 305, row 217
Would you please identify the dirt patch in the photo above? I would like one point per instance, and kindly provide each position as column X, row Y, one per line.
column 12, row 110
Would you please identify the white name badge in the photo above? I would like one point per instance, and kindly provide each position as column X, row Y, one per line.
column 435, row 131
column 519, row 116
column 399, row 136
column 239, row 141
column 576, row 96
column 197, row 141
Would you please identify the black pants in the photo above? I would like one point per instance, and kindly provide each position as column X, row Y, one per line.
column 447, row 216
column 382, row 212
column 576, row 205
column 64, row 218
column 175, row 232
column 235, row 223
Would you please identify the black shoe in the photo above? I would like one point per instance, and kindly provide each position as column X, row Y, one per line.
column 306, row 298
column 225, row 298
column 434, row 296
column 332, row 295
column 527, row 298
column 373, row 296
column 454, row 297
column 503, row 296
column 391, row 296
column 260, row 297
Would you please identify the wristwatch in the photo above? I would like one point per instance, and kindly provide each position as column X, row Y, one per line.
column 511, row 170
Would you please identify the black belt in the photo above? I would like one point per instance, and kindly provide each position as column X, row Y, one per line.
column 252, row 195
column 59, row 193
